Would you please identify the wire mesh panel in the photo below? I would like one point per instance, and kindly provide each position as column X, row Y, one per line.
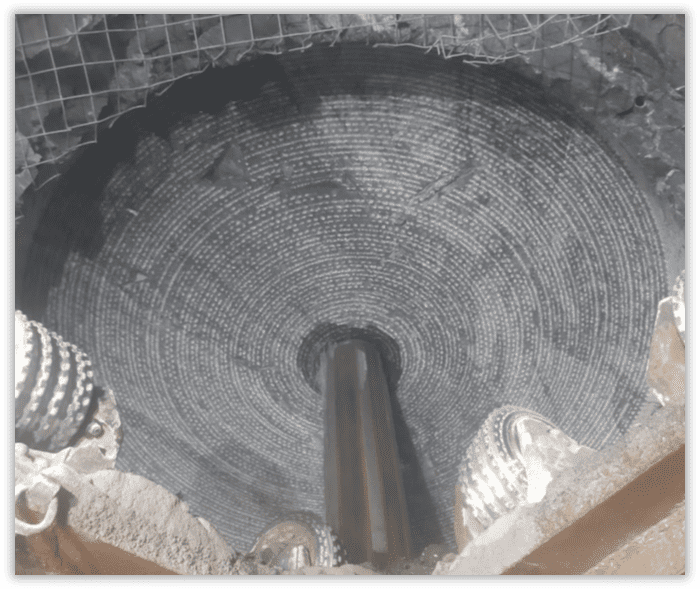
column 74, row 71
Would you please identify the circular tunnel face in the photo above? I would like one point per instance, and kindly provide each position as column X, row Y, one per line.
column 480, row 226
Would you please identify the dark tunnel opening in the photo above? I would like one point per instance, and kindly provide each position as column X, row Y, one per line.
column 476, row 231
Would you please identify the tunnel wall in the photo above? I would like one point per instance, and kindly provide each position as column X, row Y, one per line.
column 667, row 209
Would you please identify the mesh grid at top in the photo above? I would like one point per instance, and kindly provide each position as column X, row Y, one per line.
column 74, row 72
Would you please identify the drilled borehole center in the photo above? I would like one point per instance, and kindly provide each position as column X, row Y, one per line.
column 324, row 335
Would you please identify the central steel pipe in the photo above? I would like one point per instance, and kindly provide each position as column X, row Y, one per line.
column 365, row 501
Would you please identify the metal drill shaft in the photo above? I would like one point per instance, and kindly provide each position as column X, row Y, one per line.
column 365, row 500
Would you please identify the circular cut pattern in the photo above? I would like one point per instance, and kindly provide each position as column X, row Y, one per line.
column 457, row 210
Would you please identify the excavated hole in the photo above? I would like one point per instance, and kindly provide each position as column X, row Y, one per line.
column 482, row 234
column 326, row 334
